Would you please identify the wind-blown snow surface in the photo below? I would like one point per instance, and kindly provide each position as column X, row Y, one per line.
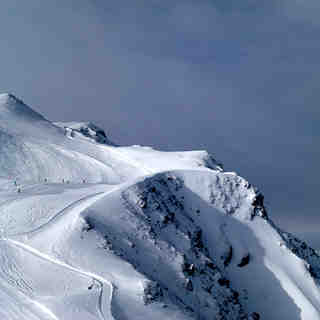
column 90, row 230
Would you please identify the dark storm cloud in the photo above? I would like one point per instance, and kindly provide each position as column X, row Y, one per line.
column 239, row 78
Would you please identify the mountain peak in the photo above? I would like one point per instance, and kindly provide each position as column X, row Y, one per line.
column 6, row 97
column 10, row 105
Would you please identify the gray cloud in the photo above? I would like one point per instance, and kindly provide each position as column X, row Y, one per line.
column 307, row 11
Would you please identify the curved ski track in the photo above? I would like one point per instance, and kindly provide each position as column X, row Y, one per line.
column 88, row 200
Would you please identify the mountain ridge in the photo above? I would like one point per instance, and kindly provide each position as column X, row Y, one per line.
column 10, row 103
column 133, row 232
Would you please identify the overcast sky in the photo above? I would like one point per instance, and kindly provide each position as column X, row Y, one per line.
column 238, row 78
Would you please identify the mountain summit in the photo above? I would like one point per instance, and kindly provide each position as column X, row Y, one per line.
column 91, row 230
column 11, row 106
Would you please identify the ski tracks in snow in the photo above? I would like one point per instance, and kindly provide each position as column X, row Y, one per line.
column 74, row 208
column 102, row 281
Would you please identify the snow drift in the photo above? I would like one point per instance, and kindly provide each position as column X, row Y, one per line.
column 91, row 230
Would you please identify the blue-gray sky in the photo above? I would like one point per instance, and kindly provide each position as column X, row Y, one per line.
column 238, row 78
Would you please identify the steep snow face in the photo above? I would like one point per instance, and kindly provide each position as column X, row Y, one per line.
column 90, row 230
column 147, row 226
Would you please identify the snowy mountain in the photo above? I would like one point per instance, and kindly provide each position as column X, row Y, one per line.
column 91, row 230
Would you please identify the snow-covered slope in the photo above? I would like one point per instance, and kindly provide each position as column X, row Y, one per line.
column 91, row 230
column 34, row 150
